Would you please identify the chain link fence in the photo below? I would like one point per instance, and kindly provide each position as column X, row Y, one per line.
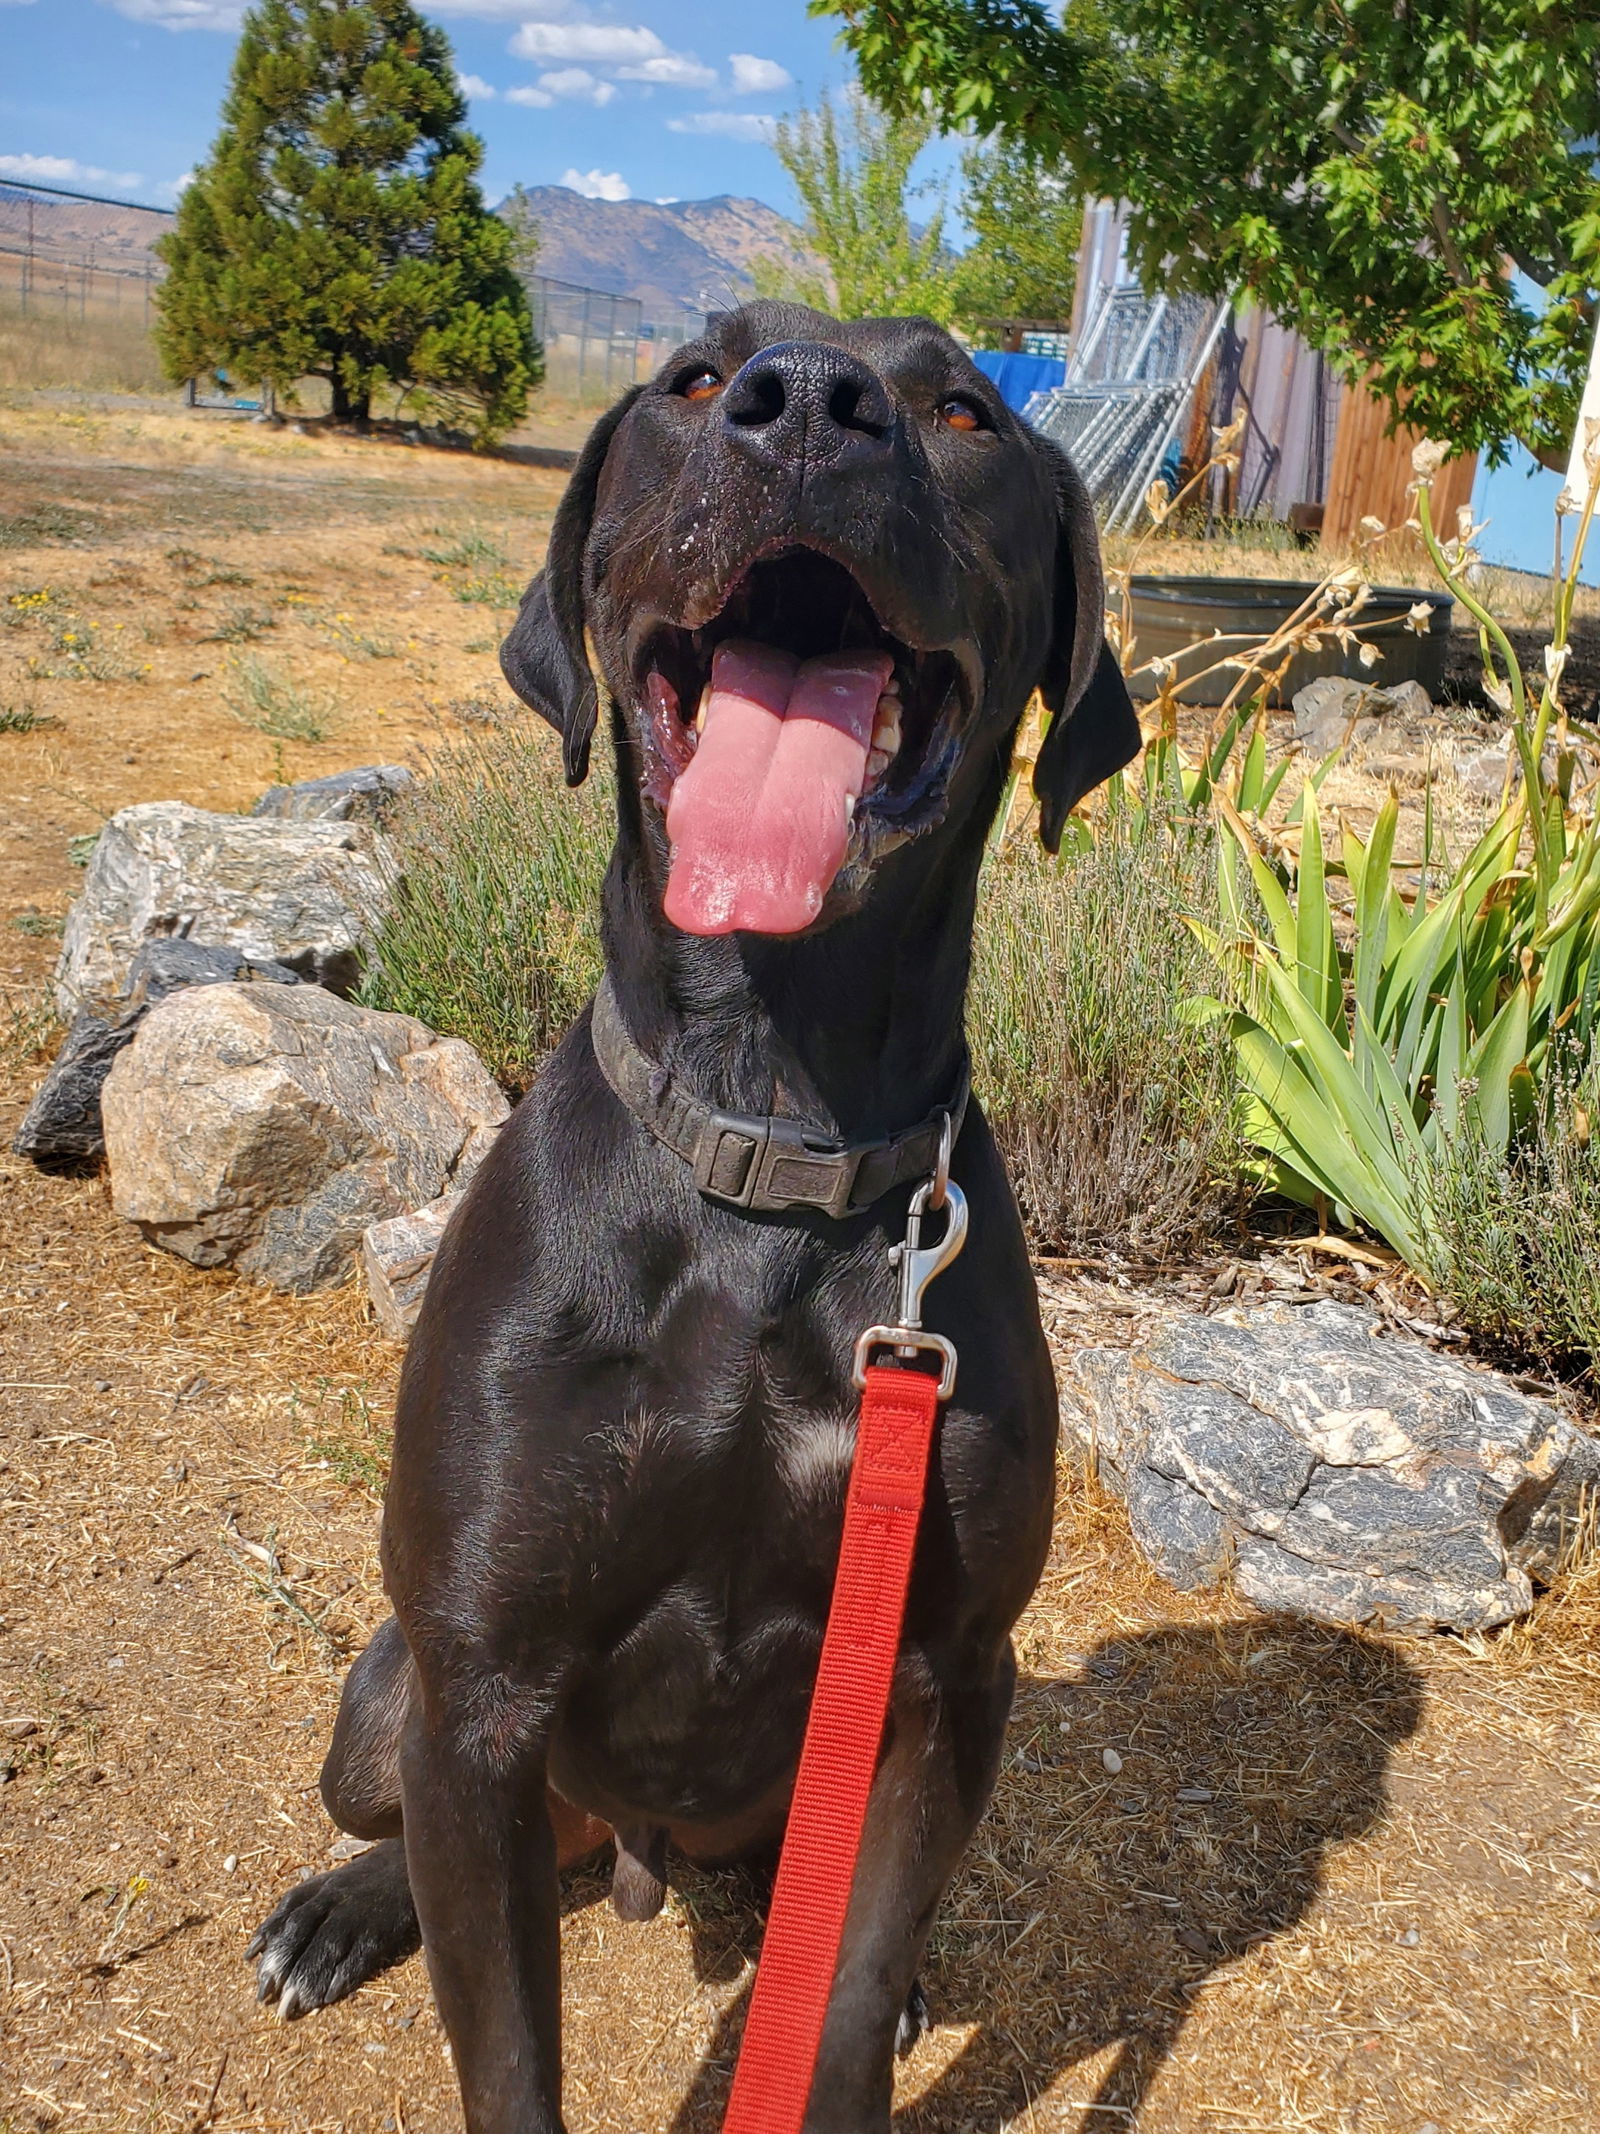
column 77, row 256
column 68, row 254
column 595, row 344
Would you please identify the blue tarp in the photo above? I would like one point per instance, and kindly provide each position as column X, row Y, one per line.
column 1020, row 377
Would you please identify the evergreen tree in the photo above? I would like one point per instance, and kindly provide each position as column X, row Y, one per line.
column 337, row 231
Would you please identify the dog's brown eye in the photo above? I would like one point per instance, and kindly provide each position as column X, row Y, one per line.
column 704, row 385
column 960, row 415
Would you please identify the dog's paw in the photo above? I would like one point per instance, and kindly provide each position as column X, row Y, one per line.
column 914, row 2020
column 333, row 1932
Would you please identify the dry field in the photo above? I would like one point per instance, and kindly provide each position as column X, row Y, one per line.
column 1239, row 1875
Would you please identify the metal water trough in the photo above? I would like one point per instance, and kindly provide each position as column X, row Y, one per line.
column 1174, row 618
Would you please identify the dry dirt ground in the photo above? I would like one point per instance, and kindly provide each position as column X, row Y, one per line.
column 1239, row 1874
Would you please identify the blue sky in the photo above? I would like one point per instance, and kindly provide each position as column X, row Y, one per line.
column 637, row 98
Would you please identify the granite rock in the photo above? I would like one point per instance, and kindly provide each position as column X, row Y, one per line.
column 268, row 1128
column 303, row 894
column 1337, row 1471
column 62, row 1124
column 366, row 794
column 397, row 1257
column 1336, row 708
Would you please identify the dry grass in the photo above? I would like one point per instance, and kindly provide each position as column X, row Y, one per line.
column 1387, row 1914
column 51, row 346
column 1113, row 1110
column 153, row 531
column 1379, row 1916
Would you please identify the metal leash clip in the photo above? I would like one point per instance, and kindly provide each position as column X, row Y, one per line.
column 918, row 1264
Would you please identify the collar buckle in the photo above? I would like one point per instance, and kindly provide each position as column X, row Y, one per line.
column 768, row 1164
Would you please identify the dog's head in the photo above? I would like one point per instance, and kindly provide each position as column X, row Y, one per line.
column 820, row 568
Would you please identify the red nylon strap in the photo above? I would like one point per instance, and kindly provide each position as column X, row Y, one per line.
column 811, row 1896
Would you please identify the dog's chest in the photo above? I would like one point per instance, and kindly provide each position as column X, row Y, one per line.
column 708, row 1607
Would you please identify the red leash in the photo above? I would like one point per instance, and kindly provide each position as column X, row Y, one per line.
column 811, row 1896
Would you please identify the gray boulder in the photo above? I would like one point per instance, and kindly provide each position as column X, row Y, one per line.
column 1402, row 700
column 365, row 794
column 297, row 893
column 1326, row 711
column 268, row 1128
column 163, row 967
column 397, row 1258
column 1482, row 771
column 62, row 1124
column 1339, row 1473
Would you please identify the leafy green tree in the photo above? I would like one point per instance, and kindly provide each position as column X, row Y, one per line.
column 517, row 212
column 852, row 170
column 337, row 231
column 1366, row 168
column 1026, row 220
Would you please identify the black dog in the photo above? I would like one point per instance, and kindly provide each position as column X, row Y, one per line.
column 626, row 1419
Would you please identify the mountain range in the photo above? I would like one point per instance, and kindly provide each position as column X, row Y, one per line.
column 694, row 255
column 673, row 255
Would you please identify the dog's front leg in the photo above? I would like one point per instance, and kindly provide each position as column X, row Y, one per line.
column 482, row 1857
column 932, row 1786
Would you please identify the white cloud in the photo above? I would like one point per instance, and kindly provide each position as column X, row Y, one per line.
column 676, row 70
column 474, row 85
column 588, row 43
column 537, row 98
column 576, row 85
column 736, row 125
column 227, row 14
column 67, row 171
column 598, row 184
column 184, row 14
column 504, row 10
column 614, row 50
column 757, row 77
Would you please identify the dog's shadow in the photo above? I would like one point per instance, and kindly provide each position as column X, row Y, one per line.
column 1095, row 1901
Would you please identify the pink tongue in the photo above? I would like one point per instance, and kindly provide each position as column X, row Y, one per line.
column 760, row 818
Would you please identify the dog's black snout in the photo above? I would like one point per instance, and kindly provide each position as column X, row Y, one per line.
column 758, row 396
column 806, row 396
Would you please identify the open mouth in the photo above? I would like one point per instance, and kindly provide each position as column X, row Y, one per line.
column 788, row 735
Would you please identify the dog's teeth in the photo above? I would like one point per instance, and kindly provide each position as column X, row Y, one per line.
column 886, row 726
column 878, row 761
column 700, row 711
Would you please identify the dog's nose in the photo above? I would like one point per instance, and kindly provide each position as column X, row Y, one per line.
column 805, row 398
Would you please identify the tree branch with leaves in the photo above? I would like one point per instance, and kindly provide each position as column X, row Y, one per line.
column 1367, row 169
column 852, row 167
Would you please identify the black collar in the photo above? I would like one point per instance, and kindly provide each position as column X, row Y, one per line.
column 760, row 1162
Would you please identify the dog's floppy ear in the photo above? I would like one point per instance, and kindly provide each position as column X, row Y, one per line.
column 544, row 658
column 1093, row 728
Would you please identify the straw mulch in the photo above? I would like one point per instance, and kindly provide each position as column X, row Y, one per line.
column 1238, row 1875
